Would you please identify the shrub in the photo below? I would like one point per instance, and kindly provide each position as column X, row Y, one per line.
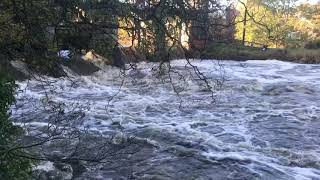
column 12, row 163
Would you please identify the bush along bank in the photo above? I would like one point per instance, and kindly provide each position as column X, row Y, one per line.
column 13, row 164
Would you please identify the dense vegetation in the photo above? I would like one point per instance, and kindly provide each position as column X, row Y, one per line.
column 13, row 164
column 279, row 24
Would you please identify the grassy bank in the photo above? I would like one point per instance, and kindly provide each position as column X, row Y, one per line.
column 224, row 51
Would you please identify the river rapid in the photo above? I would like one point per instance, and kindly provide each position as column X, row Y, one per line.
column 261, row 121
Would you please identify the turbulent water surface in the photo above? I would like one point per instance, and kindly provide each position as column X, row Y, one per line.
column 262, row 122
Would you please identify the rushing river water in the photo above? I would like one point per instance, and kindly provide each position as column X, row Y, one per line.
column 261, row 123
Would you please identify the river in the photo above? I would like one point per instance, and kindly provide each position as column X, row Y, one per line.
column 261, row 121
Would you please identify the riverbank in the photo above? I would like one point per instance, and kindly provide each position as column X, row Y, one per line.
column 21, row 70
column 223, row 51
column 88, row 65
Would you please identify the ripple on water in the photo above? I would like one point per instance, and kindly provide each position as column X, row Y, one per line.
column 263, row 124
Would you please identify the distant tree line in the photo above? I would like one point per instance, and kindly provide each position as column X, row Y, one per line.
column 282, row 24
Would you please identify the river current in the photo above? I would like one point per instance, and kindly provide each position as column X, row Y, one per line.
column 261, row 121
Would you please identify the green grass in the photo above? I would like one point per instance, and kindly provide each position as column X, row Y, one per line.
column 223, row 51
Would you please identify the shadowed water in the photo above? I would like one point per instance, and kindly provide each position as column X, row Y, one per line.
column 262, row 123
